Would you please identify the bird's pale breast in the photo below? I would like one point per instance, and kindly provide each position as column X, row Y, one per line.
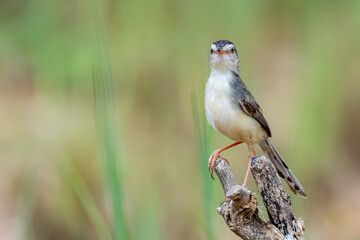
column 225, row 114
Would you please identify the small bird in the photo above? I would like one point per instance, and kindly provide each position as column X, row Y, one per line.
column 232, row 110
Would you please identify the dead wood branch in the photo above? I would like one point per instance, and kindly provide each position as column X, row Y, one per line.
column 240, row 212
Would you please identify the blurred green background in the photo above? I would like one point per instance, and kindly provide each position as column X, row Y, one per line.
column 102, row 125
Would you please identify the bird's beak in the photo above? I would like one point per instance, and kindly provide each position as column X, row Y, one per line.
column 221, row 52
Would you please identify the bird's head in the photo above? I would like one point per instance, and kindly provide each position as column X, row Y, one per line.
column 223, row 56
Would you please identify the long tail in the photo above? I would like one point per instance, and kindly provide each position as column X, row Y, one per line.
column 281, row 167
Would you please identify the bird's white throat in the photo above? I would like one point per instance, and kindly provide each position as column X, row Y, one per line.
column 224, row 63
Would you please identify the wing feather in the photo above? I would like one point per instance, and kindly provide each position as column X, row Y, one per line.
column 248, row 103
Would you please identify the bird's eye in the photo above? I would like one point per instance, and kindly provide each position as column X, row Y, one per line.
column 232, row 50
column 211, row 51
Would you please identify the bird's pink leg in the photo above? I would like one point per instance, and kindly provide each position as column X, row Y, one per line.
column 216, row 155
column 251, row 155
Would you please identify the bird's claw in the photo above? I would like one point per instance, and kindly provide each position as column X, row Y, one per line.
column 212, row 159
column 226, row 201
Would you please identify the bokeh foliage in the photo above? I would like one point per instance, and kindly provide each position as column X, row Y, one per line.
column 69, row 160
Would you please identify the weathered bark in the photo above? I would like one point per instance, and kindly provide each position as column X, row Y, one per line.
column 240, row 211
column 276, row 200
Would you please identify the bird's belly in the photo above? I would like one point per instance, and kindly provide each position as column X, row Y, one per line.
column 229, row 119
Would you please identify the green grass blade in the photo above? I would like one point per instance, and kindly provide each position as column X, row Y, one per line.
column 204, row 141
column 107, row 130
column 104, row 111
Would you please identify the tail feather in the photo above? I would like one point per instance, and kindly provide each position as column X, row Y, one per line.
column 281, row 167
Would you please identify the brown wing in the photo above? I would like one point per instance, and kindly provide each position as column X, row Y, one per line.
column 248, row 103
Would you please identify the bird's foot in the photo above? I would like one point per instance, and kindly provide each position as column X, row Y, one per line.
column 212, row 159
column 226, row 201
